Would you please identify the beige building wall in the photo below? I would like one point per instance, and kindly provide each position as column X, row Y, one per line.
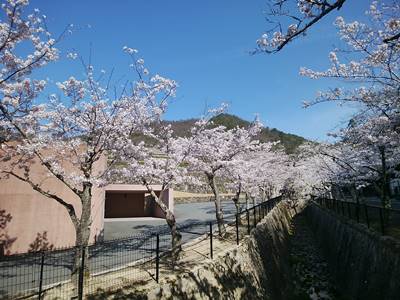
column 132, row 201
column 35, row 221
column 168, row 200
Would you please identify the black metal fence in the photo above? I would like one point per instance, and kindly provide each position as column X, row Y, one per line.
column 51, row 273
column 384, row 220
column 113, row 264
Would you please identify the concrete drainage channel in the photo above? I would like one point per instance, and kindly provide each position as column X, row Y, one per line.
column 311, row 278
column 282, row 259
column 365, row 264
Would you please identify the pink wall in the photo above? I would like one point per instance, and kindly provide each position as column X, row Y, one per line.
column 168, row 200
column 130, row 200
column 35, row 217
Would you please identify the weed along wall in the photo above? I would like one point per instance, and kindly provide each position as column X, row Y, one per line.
column 365, row 264
column 256, row 269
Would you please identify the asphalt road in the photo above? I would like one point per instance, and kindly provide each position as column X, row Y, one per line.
column 186, row 215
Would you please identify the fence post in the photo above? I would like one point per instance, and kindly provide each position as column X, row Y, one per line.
column 157, row 257
column 81, row 274
column 211, row 241
column 381, row 219
column 41, row 276
column 255, row 215
column 366, row 214
column 349, row 209
column 248, row 221
column 343, row 213
column 237, row 229
column 358, row 212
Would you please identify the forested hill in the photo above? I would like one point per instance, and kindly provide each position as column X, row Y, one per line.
column 289, row 141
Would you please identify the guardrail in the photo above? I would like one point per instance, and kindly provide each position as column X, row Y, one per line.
column 383, row 220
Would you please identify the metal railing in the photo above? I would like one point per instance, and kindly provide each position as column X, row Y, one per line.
column 383, row 220
column 113, row 264
column 51, row 273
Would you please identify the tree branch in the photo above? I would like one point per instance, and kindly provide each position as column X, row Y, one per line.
column 70, row 208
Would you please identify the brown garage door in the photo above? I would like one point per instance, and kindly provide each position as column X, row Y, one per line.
column 124, row 205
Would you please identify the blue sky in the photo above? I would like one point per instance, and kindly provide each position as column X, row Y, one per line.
column 204, row 46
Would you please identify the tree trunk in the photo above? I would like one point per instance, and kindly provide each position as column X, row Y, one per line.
column 254, row 200
column 236, row 202
column 384, row 189
column 341, row 194
column 82, row 232
column 269, row 191
column 217, row 201
column 354, row 194
column 176, row 237
column 82, row 241
column 263, row 193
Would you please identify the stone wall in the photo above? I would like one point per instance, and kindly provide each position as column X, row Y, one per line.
column 364, row 264
column 257, row 269
column 181, row 200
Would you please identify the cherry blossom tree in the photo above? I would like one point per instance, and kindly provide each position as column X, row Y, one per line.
column 372, row 57
column 70, row 134
column 257, row 174
column 368, row 154
column 273, row 170
column 371, row 62
column 235, row 177
column 317, row 169
column 366, row 151
column 349, row 164
column 214, row 149
column 291, row 19
column 160, row 163
column 17, row 90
